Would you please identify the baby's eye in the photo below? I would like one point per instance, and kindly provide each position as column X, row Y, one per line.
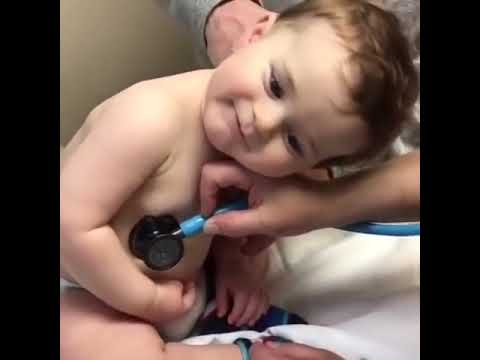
column 295, row 144
column 275, row 87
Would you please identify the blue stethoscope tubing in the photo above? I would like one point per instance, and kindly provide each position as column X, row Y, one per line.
column 371, row 228
column 194, row 226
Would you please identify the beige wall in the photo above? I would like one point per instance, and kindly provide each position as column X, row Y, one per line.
column 107, row 45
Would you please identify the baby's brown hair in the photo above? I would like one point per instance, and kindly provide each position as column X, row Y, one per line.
column 387, row 84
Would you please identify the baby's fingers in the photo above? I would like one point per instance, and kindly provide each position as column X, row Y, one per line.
column 189, row 293
column 240, row 301
column 254, row 302
column 222, row 301
column 261, row 309
column 166, row 302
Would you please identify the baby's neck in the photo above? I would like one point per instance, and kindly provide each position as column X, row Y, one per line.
column 189, row 90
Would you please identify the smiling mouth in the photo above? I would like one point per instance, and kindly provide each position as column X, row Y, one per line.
column 239, row 126
column 246, row 136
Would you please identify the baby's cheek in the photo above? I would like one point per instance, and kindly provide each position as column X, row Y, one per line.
column 282, row 159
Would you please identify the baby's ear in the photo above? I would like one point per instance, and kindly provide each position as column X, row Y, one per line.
column 263, row 26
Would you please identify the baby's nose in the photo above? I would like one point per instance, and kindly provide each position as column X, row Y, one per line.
column 268, row 125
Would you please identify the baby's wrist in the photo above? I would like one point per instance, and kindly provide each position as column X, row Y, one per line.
column 234, row 260
column 261, row 261
column 223, row 248
column 241, row 263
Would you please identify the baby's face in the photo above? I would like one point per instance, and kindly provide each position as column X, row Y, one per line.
column 276, row 105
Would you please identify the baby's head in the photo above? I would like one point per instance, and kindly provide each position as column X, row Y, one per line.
column 329, row 82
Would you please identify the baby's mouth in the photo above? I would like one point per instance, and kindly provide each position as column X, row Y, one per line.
column 241, row 130
column 239, row 125
column 247, row 124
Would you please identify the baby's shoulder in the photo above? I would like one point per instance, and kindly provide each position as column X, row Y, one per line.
column 170, row 96
column 146, row 99
column 145, row 107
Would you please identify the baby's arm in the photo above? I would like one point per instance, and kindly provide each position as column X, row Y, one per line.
column 240, row 281
column 129, row 142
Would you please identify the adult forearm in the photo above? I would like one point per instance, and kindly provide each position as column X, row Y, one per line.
column 389, row 193
column 292, row 206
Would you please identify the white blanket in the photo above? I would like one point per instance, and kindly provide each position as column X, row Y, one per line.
column 360, row 293
column 315, row 273
column 389, row 329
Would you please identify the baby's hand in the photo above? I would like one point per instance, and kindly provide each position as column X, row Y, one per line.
column 172, row 299
column 240, row 281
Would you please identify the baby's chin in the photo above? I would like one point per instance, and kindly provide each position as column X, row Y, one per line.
column 214, row 136
column 267, row 171
column 220, row 145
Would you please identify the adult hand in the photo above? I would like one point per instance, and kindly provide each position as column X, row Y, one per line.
column 289, row 351
column 232, row 25
column 389, row 192
column 276, row 206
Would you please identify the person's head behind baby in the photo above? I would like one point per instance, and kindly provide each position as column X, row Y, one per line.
column 327, row 82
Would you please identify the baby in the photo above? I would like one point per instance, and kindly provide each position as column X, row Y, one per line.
column 328, row 82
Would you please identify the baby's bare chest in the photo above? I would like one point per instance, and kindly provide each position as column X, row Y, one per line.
column 172, row 192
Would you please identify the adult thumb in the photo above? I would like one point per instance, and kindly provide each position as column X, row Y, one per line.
column 235, row 224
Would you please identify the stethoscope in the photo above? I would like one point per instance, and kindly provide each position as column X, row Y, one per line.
column 158, row 240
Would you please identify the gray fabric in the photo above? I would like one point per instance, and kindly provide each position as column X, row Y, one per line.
column 192, row 14
column 279, row 5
